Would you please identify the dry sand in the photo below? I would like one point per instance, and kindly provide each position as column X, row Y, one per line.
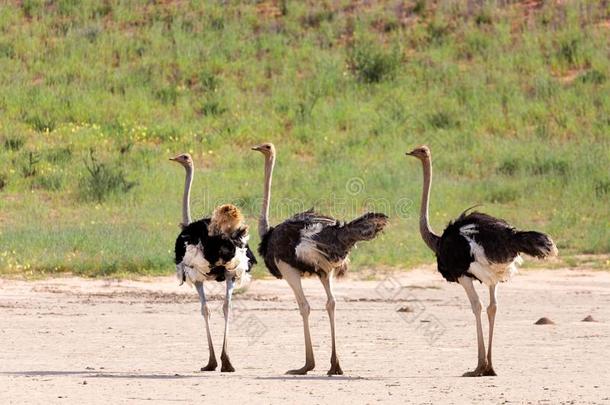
column 71, row 340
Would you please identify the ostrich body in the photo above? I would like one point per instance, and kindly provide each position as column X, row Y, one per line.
column 310, row 243
column 213, row 248
column 477, row 246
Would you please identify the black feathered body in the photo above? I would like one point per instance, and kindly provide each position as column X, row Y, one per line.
column 314, row 243
column 212, row 255
column 486, row 248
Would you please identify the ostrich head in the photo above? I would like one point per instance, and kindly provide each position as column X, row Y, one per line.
column 226, row 219
column 421, row 152
column 266, row 149
column 219, row 250
column 184, row 159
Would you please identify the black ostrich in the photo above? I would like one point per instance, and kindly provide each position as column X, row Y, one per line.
column 310, row 243
column 201, row 254
column 477, row 246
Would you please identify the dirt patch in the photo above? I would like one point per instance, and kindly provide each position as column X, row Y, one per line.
column 399, row 341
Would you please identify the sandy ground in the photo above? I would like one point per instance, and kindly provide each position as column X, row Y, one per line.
column 71, row 340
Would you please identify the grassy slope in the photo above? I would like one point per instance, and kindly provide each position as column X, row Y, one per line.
column 514, row 102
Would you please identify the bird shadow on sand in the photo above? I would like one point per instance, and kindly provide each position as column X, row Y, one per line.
column 356, row 378
column 312, row 377
column 96, row 374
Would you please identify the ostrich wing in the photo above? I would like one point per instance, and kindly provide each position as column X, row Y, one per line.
column 494, row 235
column 327, row 243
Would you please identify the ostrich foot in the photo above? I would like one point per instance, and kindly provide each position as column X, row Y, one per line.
column 489, row 371
column 211, row 365
column 478, row 372
column 335, row 369
column 301, row 371
column 226, row 364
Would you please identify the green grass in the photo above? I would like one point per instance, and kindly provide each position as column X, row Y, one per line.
column 96, row 95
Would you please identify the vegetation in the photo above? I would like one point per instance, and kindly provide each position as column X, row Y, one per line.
column 96, row 95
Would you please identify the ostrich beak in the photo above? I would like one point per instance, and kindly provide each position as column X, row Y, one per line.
column 409, row 153
column 257, row 147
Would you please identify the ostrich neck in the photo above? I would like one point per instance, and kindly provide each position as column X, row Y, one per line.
column 186, row 197
column 427, row 234
column 263, row 222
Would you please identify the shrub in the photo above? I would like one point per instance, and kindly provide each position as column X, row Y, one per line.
column 31, row 7
column 602, row 188
column 41, row 123
column 103, row 180
column 484, row 17
column 50, row 182
column 442, row 120
column 538, row 167
column 420, row 7
column 283, row 6
column 305, row 106
column 67, row 7
column 91, row 33
column 59, row 155
column 544, row 87
column 572, row 49
column 209, row 81
column 217, row 23
column 314, row 18
column 28, row 165
column 568, row 50
column 549, row 165
column 101, row 10
column 168, row 95
column 592, row 76
column 475, row 43
column 371, row 63
column 126, row 148
column 13, row 144
column 212, row 108
column 501, row 194
column 437, row 31
column 7, row 50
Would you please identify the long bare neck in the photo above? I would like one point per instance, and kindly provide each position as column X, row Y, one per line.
column 263, row 221
column 427, row 234
column 186, row 197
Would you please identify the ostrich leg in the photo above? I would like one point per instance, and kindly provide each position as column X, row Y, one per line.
column 226, row 308
column 205, row 311
column 327, row 280
column 293, row 277
column 180, row 273
column 475, row 303
column 491, row 314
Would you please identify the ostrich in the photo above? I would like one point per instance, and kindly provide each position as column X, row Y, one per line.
column 310, row 243
column 212, row 249
column 477, row 246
